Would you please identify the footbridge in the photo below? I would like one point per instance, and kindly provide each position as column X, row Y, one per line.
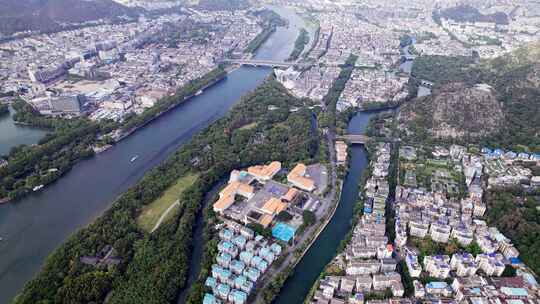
column 354, row 139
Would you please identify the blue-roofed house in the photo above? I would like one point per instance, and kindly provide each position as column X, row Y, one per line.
column 228, row 247
column 246, row 256
column 210, row 299
column 515, row 261
column 267, row 254
column 223, row 291
column 515, row 292
column 252, row 273
column 276, row 249
column 242, row 283
column 498, row 152
column 224, row 259
column 237, row 267
column 259, row 238
column 239, row 281
column 486, row 151
column 262, row 265
column 226, row 234
column 439, row 288
column 535, row 157
column 210, row 282
column 255, row 260
column 238, row 297
column 510, row 155
column 223, row 275
column 240, row 241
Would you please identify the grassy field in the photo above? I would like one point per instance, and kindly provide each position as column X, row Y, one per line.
column 151, row 213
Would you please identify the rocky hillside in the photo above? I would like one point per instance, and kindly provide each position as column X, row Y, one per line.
column 495, row 102
column 53, row 15
column 455, row 111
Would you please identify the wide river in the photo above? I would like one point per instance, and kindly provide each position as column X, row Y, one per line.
column 35, row 226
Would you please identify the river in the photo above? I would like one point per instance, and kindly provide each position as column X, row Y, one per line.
column 36, row 225
column 12, row 135
column 307, row 271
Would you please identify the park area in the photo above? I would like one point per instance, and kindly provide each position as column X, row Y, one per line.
column 161, row 209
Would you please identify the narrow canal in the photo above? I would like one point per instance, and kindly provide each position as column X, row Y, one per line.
column 36, row 225
column 297, row 286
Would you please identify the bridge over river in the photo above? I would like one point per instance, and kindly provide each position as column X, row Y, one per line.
column 267, row 63
column 354, row 138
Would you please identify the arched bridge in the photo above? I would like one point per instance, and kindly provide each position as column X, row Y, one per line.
column 354, row 139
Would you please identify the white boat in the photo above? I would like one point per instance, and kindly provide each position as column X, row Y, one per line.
column 199, row 93
column 134, row 158
column 37, row 188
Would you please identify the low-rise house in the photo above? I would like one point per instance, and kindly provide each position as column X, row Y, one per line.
column 210, row 299
column 492, row 264
column 224, row 259
column 362, row 267
column 390, row 280
column 228, row 247
column 237, row 297
column 462, row 234
column 464, row 264
column 437, row 266
column 222, row 291
column 419, row 290
column 418, row 229
column 388, row 265
column 438, row 289
column 413, row 266
column 347, row 285
column 363, row 283
column 439, row 233
column 252, row 273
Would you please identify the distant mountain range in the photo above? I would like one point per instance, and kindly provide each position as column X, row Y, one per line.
column 53, row 15
column 467, row 13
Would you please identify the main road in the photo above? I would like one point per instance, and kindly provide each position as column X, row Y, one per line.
column 35, row 226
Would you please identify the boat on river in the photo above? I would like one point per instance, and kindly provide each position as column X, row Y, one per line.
column 134, row 158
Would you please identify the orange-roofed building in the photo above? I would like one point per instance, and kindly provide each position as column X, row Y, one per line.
column 266, row 220
column 265, row 172
column 226, row 196
column 223, row 203
column 273, row 206
column 297, row 178
column 290, row 195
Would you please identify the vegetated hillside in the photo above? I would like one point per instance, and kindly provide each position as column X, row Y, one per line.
column 53, row 15
column 516, row 215
column 467, row 13
column 507, row 116
column 455, row 111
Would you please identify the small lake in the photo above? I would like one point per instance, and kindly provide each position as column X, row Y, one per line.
column 12, row 135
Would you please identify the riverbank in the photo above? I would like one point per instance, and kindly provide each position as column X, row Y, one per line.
column 197, row 91
column 323, row 249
